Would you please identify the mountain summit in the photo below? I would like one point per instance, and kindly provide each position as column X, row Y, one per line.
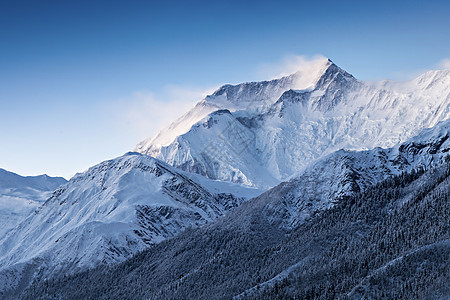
column 272, row 129
column 247, row 96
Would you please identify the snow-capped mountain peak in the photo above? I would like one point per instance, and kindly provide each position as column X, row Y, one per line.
column 279, row 127
column 250, row 96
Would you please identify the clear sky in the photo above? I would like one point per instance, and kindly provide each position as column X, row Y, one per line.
column 84, row 81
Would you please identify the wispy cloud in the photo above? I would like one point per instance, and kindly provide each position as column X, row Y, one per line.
column 145, row 113
column 402, row 75
column 289, row 65
column 444, row 64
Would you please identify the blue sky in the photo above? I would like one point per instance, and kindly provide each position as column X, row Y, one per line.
column 84, row 81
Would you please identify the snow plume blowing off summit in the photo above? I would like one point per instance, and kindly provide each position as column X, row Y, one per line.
column 309, row 67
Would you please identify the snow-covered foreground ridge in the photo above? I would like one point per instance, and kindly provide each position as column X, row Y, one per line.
column 110, row 212
column 261, row 133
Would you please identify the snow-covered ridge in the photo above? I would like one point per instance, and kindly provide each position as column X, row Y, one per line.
column 276, row 128
column 251, row 96
column 20, row 195
column 10, row 180
column 110, row 212
column 344, row 172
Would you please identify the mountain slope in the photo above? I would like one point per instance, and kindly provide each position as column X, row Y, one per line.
column 110, row 212
column 344, row 173
column 251, row 96
column 389, row 240
column 20, row 195
column 278, row 133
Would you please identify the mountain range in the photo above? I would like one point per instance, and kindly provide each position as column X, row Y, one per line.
column 261, row 133
column 387, row 240
column 241, row 174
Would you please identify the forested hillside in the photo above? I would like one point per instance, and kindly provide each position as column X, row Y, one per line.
column 392, row 240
